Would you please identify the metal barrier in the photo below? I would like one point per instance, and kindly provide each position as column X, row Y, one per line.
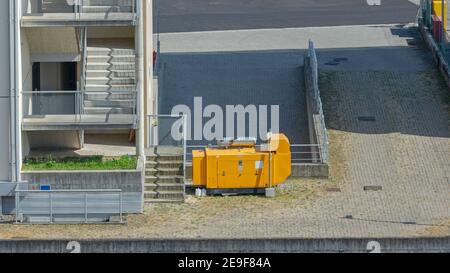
column 300, row 153
column 68, row 206
column 38, row 103
column 316, row 107
column 424, row 14
column 168, row 134
column 78, row 7
column 424, row 18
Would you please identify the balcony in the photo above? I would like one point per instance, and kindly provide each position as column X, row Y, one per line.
column 79, row 110
column 63, row 13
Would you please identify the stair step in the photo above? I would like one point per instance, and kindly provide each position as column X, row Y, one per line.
column 105, row 87
column 109, row 51
column 164, row 187
column 111, row 66
column 164, row 164
column 160, row 200
column 176, row 179
column 164, row 195
column 106, row 9
column 108, row 110
column 163, row 172
column 108, row 73
column 110, row 81
column 108, row 2
column 111, row 58
column 110, row 103
column 109, row 96
column 163, row 157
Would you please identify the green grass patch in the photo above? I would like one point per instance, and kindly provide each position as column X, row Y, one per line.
column 79, row 164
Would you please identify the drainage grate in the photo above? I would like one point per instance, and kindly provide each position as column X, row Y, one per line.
column 340, row 59
column 367, row 118
column 333, row 189
column 332, row 63
column 336, row 61
column 373, row 188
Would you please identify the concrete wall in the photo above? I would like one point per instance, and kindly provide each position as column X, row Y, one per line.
column 317, row 132
column 302, row 245
column 53, row 41
column 53, row 139
column 310, row 170
column 127, row 181
column 107, row 32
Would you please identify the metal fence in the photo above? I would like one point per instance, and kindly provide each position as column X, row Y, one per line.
column 69, row 206
column 425, row 12
column 38, row 103
column 78, row 7
column 425, row 18
column 315, row 105
column 300, row 153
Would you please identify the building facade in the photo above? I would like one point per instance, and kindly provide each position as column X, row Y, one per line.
column 77, row 75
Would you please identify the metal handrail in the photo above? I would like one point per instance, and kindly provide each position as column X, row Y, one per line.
column 72, row 191
column 184, row 139
column 318, row 153
column 79, row 97
column 77, row 92
column 84, row 65
column 78, row 6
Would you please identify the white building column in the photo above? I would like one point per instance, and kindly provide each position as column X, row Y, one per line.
column 140, row 143
column 148, row 69
column 15, row 89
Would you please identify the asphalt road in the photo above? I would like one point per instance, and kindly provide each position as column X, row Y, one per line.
column 208, row 15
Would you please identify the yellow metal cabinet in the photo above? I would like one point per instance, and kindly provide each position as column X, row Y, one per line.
column 234, row 167
column 437, row 10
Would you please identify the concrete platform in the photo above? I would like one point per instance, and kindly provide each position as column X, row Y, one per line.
column 95, row 145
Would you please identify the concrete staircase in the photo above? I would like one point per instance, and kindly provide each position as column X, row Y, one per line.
column 110, row 69
column 106, row 6
column 56, row 6
column 164, row 179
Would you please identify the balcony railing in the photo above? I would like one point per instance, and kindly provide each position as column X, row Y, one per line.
column 78, row 6
column 63, row 11
column 46, row 110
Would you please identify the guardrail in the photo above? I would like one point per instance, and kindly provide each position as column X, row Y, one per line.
column 38, row 103
column 68, row 206
column 315, row 104
column 169, row 131
column 78, row 7
column 300, row 153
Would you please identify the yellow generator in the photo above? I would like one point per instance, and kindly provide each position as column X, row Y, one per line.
column 238, row 166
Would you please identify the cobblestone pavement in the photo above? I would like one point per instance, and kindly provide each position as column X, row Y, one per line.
column 387, row 110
